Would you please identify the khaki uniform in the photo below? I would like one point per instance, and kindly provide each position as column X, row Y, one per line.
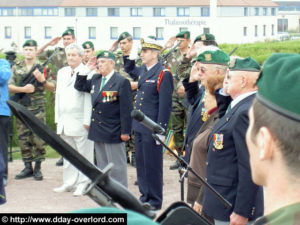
column 32, row 147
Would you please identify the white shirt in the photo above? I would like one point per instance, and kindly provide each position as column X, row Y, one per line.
column 150, row 67
column 240, row 98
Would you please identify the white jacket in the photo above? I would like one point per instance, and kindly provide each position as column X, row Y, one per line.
column 72, row 107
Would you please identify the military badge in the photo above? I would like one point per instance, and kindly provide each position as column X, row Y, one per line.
column 142, row 40
column 104, row 96
column 87, row 46
column 124, row 36
column 106, row 54
column 93, row 89
column 218, row 141
column 115, row 93
column 232, row 62
column 69, row 33
column 204, row 114
column 30, row 43
column 203, row 38
column 207, row 57
column 185, row 36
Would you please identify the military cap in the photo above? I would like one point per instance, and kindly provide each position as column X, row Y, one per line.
column 123, row 36
column 106, row 54
column 69, row 31
column 247, row 64
column 184, row 34
column 205, row 37
column 213, row 57
column 150, row 43
column 30, row 43
column 279, row 85
column 88, row 44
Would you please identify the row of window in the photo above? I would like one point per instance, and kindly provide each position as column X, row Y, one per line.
column 137, row 11
column 265, row 11
column 264, row 33
column 289, row 6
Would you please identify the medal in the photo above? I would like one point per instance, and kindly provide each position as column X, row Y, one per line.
column 204, row 114
column 115, row 95
column 218, row 141
column 104, row 96
column 92, row 91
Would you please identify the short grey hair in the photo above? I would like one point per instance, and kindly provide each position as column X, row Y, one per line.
column 75, row 46
column 223, row 68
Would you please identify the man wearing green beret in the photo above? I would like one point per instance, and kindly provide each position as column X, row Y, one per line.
column 89, row 52
column 273, row 139
column 178, row 115
column 32, row 148
column 111, row 121
column 228, row 167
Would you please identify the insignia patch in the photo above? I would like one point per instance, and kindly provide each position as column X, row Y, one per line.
column 142, row 40
column 185, row 36
column 218, row 141
column 207, row 57
column 30, row 43
column 69, row 33
column 124, row 35
column 87, row 46
column 106, row 54
column 203, row 38
column 150, row 81
column 232, row 62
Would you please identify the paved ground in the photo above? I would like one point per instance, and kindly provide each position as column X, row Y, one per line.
column 30, row 196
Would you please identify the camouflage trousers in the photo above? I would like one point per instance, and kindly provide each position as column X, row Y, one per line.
column 178, row 117
column 32, row 147
column 130, row 144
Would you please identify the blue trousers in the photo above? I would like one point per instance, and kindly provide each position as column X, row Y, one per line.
column 149, row 166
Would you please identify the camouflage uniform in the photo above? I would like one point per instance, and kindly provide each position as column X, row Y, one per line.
column 288, row 215
column 179, row 71
column 32, row 147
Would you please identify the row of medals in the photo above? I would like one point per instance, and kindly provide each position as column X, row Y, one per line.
column 108, row 96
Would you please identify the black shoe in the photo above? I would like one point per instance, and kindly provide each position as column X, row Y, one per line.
column 133, row 161
column 60, row 162
column 26, row 172
column 151, row 207
column 175, row 165
column 136, row 183
column 127, row 157
column 37, row 174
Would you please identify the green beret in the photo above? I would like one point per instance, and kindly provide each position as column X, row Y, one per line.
column 30, row 43
column 106, row 54
column 213, row 57
column 205, row 37
column 69, row 31
column 184, row 34
column 247, row 64
column 88, row 44
column 279, row 84
column 123, row 36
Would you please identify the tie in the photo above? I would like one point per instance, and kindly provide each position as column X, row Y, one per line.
column 102, row 83
column 228, row 109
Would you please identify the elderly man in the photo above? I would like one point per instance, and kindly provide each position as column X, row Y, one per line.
column 273, row 139
column 228, row 168
column 32, row 147
column 72, row 116
column 111, row 121
column 154, row 99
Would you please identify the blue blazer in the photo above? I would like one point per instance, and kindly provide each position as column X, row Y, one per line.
column 110, row 115
column 155, row 105
column 228, row 167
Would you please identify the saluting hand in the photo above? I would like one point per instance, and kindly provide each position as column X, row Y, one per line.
column 194, row 75
column 125, row 137
column 92, row 63
column 114, row 46
column 54, row 41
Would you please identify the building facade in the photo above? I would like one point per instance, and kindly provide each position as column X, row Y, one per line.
column 231, row 21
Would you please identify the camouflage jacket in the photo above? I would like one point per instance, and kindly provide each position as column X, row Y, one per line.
column 37, row 98
column 288, row 215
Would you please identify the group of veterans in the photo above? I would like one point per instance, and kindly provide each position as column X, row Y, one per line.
column 236, row 123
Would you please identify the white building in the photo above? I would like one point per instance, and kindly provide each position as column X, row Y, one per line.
column 101, row 21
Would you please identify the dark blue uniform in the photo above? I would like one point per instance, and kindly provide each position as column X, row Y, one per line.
column 228, row 167
column 2, row 170
column 111, row 107
column 157, row 105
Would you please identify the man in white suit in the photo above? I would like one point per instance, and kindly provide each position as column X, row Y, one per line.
column 72, row 117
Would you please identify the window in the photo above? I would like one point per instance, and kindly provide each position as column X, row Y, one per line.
column 183, row 11
column 7, row 11
column 136, row 33
column 69, row 11
column 159, row 12
column 7, row 32
column 26, row 11
column 273, row 12
column 92, row 32
column 113, row 33
column 113, row 12
column 255, row 31
column 206, row 30
column 265, row 11
column 264, row 30
column 272, row 29
column 91, row 12
column 48, row 33
column 256, row 12
column 245, row 31
column 136, row 12
column 39, row 11
column 205, row 11
column 159, row 33
column 246, row 11
column 27, row 32
column 282, row 25
column 183, row 29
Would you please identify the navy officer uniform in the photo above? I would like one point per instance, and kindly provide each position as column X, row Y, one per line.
column 110, row 117
column 154, row 99
column 228, row 167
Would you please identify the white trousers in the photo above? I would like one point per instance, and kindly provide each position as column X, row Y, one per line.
column 71, row 176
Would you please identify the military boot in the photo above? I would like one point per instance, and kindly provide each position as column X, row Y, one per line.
column 26, row 172
column 37, row 174
column 133, row 161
